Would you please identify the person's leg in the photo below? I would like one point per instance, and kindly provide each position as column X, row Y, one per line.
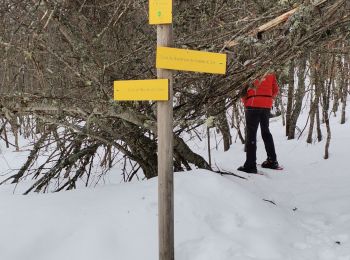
column 252, row 123
column 267, row 136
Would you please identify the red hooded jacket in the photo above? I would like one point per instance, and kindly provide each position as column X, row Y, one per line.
column 263, row 92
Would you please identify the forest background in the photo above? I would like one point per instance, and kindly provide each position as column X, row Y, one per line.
column 59, row 60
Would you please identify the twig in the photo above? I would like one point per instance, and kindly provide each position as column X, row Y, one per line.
column 271, row 201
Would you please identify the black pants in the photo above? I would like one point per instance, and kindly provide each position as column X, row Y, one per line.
column 254, row 117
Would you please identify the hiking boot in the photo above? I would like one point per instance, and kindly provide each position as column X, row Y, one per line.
column 271, row 164
column 247, row 170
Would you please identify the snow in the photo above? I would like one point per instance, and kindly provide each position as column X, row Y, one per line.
column 300, row 213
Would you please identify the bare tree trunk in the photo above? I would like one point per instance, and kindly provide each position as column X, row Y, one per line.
column 290, row 95
column 237, row 117
column 224, row 129
column 14, row 126
column 337, row 87
column 4, row 122
column 318, row 124
column 312, row 122
column 280, row 108
column 343, row 108
column 299, row 96
column 182, row 148
column 39, row 126
column 219, row 112
column 344, row 94
column 328, row 140
column 314, row 103
column 325, row 108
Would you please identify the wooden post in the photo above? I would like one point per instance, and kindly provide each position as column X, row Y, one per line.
column 165, row 156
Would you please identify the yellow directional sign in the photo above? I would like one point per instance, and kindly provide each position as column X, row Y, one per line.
column 160, row 11
column 188, row 60
column 141, row 90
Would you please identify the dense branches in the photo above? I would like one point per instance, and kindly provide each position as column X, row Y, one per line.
column 59, row 60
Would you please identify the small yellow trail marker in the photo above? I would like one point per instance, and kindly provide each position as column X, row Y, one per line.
column 141, row 90
column 188, row 60
column 160, row 11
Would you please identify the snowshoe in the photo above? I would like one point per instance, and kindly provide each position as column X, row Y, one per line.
column 271, row 164
column 247, row 170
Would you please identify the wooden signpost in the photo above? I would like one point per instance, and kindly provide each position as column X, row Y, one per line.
column 165, row 156
column 161, row 90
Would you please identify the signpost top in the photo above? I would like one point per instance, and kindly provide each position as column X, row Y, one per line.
column 160, row 11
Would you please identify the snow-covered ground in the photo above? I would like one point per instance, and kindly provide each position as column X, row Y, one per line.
column 300, row 213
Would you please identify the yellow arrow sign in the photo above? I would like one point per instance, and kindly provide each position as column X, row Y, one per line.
column 160, row 11
column 141, row 90
column 188, row 60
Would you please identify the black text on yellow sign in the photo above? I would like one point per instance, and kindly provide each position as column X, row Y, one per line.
column 189, row 60
column 141, row 90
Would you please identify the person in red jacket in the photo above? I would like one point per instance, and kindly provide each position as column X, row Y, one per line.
column 258, row 103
